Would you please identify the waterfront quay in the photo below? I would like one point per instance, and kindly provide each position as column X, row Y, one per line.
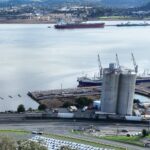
column 59, row 96
column 142, row 88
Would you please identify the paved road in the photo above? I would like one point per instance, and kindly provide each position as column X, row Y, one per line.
column 64, row 127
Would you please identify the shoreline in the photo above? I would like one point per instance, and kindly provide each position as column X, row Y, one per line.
column 17, row 21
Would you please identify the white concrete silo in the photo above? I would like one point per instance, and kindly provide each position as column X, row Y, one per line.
column 110, row 90
column 126, row 93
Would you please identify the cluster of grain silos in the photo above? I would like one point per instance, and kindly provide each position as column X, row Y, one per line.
column 118, row 91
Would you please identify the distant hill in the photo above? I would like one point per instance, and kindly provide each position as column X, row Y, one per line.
column 124, row 3
column 106, row 3
column 146, row 7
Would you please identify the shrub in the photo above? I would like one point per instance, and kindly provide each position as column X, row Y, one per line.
column 21, row 108
column 83, row 101
column 144, row 132
column 42, row 107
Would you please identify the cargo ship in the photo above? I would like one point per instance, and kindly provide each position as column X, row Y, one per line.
column 128, row 24
column 97, row 81
column 87, row 81
column 79, row 25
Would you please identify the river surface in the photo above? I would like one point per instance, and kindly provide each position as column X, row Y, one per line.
column 35, row 57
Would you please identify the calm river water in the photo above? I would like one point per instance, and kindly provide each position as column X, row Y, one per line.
column 35, row 57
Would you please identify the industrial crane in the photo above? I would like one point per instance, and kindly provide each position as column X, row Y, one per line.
column 134, row 63
column 117, row 62
column 100, row 67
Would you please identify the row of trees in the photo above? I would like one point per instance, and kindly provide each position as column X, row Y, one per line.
column 21, row 108
column 79, row 102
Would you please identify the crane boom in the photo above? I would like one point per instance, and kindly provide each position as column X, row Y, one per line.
column 117, row 61
column 134, row 63
column 100, row 66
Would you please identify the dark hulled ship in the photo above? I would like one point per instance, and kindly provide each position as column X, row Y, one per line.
column 79, row 25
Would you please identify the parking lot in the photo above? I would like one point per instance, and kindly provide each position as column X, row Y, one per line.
column 54, row 144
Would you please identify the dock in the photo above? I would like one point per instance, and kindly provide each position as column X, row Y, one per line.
column 73, row 93
column 143, row 89
column 66, row 93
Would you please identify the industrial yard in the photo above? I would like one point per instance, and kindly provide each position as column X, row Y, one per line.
column 69, row 94
column 114, row 99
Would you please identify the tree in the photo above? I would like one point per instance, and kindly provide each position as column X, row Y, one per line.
column 30, row 145
column 42, row 107
column 7, row 144
column 67, row 104
column 83, row 101
column 144, row 132
column 30, row 109
column 21, row 108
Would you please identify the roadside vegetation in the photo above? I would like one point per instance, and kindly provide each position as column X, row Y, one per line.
column 133, row 140
column 17, row 143
column 7, row 143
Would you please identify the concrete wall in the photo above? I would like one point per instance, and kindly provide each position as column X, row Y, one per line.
column 109, row 91
column 126, row 93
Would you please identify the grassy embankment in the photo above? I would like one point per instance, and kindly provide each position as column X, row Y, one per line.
column 61, row 137
column 133, row 140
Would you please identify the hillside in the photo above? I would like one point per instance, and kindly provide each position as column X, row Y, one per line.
column 124, row 3
column 146, row 7
column 106, row 3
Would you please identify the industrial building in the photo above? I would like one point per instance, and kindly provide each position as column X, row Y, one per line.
column 118, row 90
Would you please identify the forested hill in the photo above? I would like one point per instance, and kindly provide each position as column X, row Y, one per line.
column 146, row 7
column 106, row 3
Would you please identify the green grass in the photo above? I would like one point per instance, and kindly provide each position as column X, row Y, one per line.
column 15, row 131
column 134, row 140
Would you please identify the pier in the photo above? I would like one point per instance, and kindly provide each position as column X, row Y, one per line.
column 66, row 93
column 91, row 92
column 143, row 89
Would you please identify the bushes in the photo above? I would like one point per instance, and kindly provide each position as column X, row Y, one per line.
column 67, row 104
column 21, row 108
column 83, row 101
column 42, row 107
column 8, row 144
column 145, row 133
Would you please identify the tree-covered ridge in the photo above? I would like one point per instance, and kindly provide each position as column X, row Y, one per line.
column 109, row 3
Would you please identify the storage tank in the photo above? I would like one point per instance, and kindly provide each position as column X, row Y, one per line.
column 110, row 90
column 126, row 93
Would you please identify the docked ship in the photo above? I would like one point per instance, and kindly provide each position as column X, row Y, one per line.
column 79, row 25
column 97, row 81
column 128, row 24
column 87, row 81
